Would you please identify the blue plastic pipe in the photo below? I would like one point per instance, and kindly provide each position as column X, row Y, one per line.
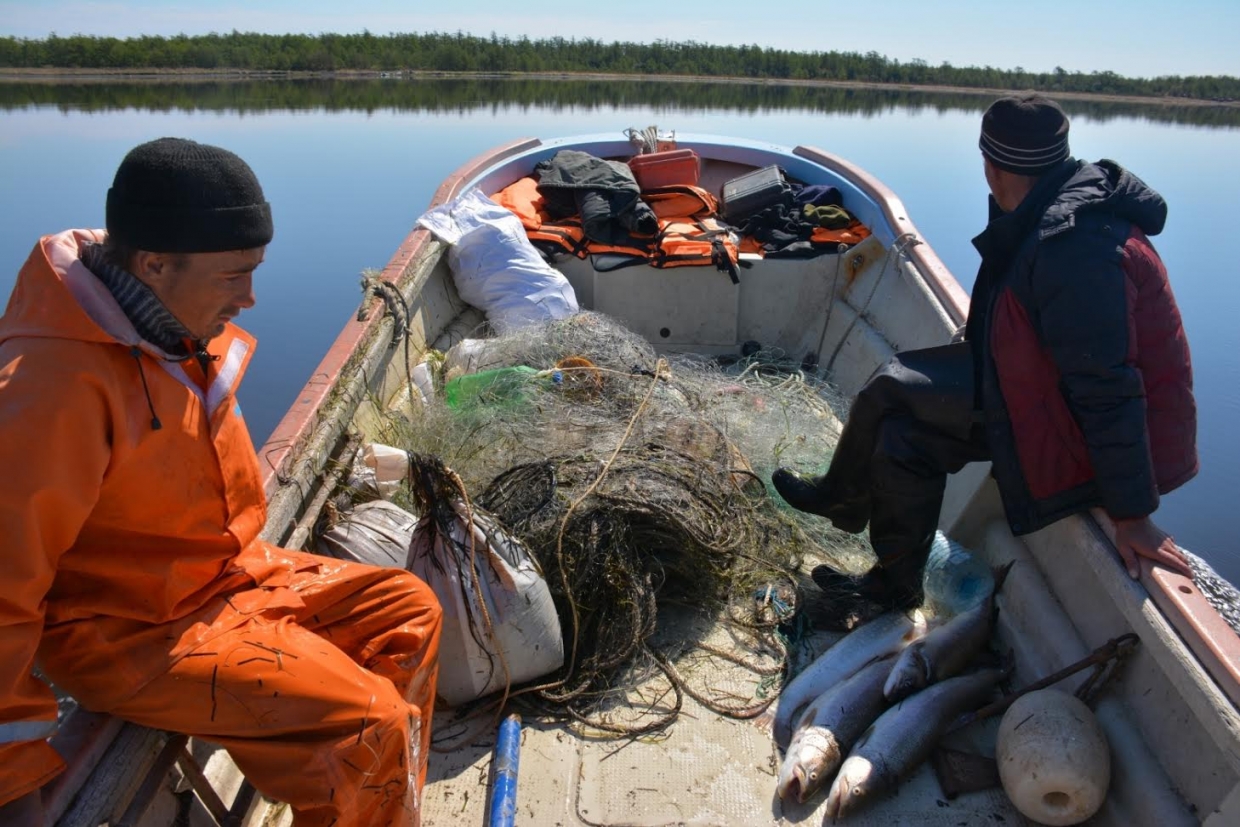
column 503, row 811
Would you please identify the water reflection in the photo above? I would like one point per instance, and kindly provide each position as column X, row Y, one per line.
column 348, row 166
column 421, row 94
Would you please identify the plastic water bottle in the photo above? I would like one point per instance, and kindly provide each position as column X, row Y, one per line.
column 956, row 579
column 500, row 386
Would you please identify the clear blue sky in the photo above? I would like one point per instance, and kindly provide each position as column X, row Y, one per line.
column 1137, row 38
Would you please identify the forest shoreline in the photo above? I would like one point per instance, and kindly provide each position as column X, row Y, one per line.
column 53, row 75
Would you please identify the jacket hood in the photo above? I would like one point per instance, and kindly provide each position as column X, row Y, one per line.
column 57, row 297
column 1105, row 186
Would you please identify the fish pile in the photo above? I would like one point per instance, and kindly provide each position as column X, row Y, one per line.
column 870, row 709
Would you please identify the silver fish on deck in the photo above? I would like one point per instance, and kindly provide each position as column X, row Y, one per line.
column 827, row 729
column 903, row 737
column 946, row 650
column 884, row 635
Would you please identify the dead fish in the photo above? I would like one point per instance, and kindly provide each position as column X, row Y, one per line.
column 946, row 650
column 903, row 737
column 827, row 729
column 884, row 635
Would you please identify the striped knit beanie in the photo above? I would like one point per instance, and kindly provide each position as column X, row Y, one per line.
column 178, row 196
column 1025, row 135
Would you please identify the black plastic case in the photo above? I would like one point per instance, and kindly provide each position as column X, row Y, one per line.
column 754, row 191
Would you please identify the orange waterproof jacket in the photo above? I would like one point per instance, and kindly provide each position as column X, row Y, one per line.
column 109, row 524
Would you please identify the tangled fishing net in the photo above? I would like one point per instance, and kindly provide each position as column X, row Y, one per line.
column 640, row 485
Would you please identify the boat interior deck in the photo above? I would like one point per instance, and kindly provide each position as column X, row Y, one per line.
column 707, row 769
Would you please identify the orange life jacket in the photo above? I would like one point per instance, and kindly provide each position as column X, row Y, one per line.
column 678, row 200
column 688, row 235
column 523, row 198
column 557, row 235
column 685, row 242
column 854, row 233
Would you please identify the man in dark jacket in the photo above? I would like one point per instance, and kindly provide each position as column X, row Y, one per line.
column 1074, row 377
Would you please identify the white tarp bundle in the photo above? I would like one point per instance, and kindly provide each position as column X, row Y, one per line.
column 494, row 265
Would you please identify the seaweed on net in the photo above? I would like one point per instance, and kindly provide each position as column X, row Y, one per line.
column 640, row 484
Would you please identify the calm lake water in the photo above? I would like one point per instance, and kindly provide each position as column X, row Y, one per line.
column 349, row 167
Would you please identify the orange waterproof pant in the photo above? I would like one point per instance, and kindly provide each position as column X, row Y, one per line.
column 327, row 706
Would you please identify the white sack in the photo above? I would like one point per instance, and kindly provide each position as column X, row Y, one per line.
column 375, row 533
column 495, row 266
column 506, row 580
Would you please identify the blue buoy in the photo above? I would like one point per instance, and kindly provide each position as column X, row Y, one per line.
column 503, row 810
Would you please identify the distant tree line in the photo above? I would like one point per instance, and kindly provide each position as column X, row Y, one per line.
column 474, row 94
column 461, row 52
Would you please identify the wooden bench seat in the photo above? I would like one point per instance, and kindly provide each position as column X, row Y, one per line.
column 115, row 770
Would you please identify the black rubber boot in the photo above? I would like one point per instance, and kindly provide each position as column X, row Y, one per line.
column 869, row 585
column 896, row 587
column 810, row 494
column 904, row 579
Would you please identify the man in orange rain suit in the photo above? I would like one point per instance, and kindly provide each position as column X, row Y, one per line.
column 130, row 504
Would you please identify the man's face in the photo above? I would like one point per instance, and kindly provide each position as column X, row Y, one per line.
column 204, row 291
column 991, row 177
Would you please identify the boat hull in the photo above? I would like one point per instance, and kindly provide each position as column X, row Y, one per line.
column 1173, row 728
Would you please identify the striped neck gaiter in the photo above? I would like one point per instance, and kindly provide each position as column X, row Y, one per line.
column 141, row 306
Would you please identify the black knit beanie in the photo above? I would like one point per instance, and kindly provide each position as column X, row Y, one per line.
column 1026, row 135
column 179, row 196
